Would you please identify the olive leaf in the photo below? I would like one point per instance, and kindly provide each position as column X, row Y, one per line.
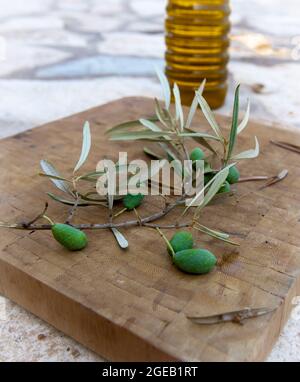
column 165, row 86
column 215, row 234
column 128, row 125
column 72, row 202
column 198, row 135
column 209, row 116
column 248, row 154
column 236, row 316
column 141, row 135
column 178, row 107
column 163, row 115
column 150, row 125
column 123, row 243
column 151, row 153
column 214, row 186
column 234, row 126
column 202, row 141
column 86, row 146
column 194, row 106
column 55, row 176
column 90, row 176
column 245, row 120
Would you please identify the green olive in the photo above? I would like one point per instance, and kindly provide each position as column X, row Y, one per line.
column 180, row 241
column 132, row 201
column 225, row 188
column 234, row 175
column 197, row 154
column 69, row 237
column 196, row 261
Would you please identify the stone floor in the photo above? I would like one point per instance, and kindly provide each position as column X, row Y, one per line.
column 58, row 57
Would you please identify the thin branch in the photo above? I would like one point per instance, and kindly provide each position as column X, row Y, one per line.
column 39, row 216
column 143, row 222
column 72, row 211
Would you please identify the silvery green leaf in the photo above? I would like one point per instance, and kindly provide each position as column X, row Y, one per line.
column 123, row 243
column 162, row 114
column 202, row 141
column 213, row 187
column 142, row 134
column 86, row 146
column 209, row 116
column 54, row 177
column 72, row 202
column 90, row 176
column 51, row 171
column 179, row 110
column 234, row 125
column 194, row 105
column 198, row 135
column 128, row 125
column 165, row 86
column 123, row 126
column 248, row 154
column 150, row 125
column 151, row 153
column 245, row 120
column 215, row 234
column 216, row 183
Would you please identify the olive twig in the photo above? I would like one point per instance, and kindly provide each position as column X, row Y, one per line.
column 72, row 211
column 167, row 241
column 39, row 216
column 143, row 221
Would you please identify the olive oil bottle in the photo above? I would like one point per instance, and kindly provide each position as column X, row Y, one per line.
column 197, row 40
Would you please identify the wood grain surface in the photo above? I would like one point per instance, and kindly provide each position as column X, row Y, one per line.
column 132, row 305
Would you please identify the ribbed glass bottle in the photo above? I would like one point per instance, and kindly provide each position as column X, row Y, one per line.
column 197, row 39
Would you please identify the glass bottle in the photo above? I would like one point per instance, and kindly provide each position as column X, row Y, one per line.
column 197, row 40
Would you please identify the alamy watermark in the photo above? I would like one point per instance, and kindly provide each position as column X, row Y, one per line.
column 160, row 177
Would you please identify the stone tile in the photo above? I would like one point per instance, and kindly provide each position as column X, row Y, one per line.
column 269, row 16
column 53, row 38
column 25, row 338
column 31, row 23
column 19, row 7
column 146, row 27
column 43, row 101
column 102, row 65
column 96, row 23
column 278, row 101
column 132, row 44
column 148, row 8
column 20, row 56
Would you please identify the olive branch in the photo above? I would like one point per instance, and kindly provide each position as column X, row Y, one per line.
column 169, row 131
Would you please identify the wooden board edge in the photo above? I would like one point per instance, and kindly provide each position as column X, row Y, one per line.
column 111, row 341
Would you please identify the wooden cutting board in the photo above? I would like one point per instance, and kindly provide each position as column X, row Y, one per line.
column 133, row 305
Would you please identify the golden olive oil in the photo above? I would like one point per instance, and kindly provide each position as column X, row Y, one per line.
column 197, row 39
